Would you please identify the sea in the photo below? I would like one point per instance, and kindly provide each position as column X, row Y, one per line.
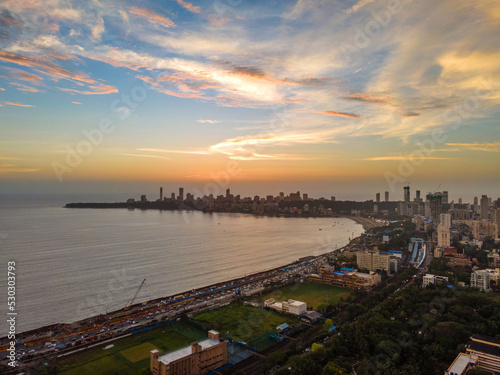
column 71, row 264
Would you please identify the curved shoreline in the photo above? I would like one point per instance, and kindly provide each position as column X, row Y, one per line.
column 367, row 223
column 59, row 326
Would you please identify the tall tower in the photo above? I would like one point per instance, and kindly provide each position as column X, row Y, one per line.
column 161, row 194
column 484, row 207
column 407, row 194
column 181, row 194
column 445, row 197
column 377, row 198
column 417, row 196
column 228, row 192
column 387, row 196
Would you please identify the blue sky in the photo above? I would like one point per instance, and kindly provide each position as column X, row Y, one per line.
column 333, row 96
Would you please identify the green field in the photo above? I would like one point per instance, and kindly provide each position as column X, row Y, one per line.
column 243, row 322
column 139, row 352
column 311, row 293
column 130, row 354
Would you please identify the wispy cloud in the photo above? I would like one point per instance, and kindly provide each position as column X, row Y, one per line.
column 145, row 156
column 22, row 87
column 209, row 121
column 19, row 104
column 357, row 6
column 399, row 158
column 477, row 146
column 195, row 152
column 76, row 102
column 152, row 17
column 341, row 114
column 189, row 6
column 57, row 72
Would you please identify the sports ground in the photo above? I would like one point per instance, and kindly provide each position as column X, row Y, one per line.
column 130, row 354
column 311, row 293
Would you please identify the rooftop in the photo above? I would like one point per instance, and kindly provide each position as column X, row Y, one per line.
column 460, row 364
column 479, row 346
column 488, row 339
column 186, row 351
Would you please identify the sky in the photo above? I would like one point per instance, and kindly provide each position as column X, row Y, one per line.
column 333, row 98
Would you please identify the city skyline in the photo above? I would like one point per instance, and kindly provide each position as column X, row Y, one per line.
column 344, row 98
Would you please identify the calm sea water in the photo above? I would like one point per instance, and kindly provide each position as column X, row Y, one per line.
column 75, row 263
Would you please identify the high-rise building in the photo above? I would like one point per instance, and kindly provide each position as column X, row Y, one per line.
column 460, row 200
column 402, row 208
column 377, row 197
column 172, row 196
column 228, row 193
column 333, row 198
column 373, row 260
column 445, row 220
column 387, row 196
column 480, row 279
column 407, row 194
column 435, row 204
column 445, row 197
column 305, row 196
column 417, row 196
column 181, row 194
column 484, row 207
column 475, row 201
column 161, row 194
column 143, row 198
column 443, row 236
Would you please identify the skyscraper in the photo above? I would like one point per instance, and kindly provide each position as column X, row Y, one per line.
column 377, row 197
column 445, row 197
column 387, row 196
column 407, row 194
column 161, row 194
column 417, row 196
column 484, row 207
column 181, row 194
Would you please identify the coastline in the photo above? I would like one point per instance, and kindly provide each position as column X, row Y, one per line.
column 70, row 325
column 367, row 223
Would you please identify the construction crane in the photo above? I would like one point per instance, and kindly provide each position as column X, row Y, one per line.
column 127, row 306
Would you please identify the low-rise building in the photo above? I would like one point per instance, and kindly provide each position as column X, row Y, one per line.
column 349, row 279
column 289, row 307
column 487, row 351
column 458, row 260
column 433, row 279
column 461, row 364
column 197, row 359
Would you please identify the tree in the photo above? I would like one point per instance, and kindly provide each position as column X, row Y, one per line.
column 144, row 371
column 333, row 369
column 318, row 351
column 327, row 325
column 322, row 307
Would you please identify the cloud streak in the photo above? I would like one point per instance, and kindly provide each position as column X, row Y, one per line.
column 192, row 8
column 341, row 114
column 152, row 17
column 19, row 104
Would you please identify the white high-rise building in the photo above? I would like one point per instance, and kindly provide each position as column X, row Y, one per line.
column 480, row 279
column 445, row 220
